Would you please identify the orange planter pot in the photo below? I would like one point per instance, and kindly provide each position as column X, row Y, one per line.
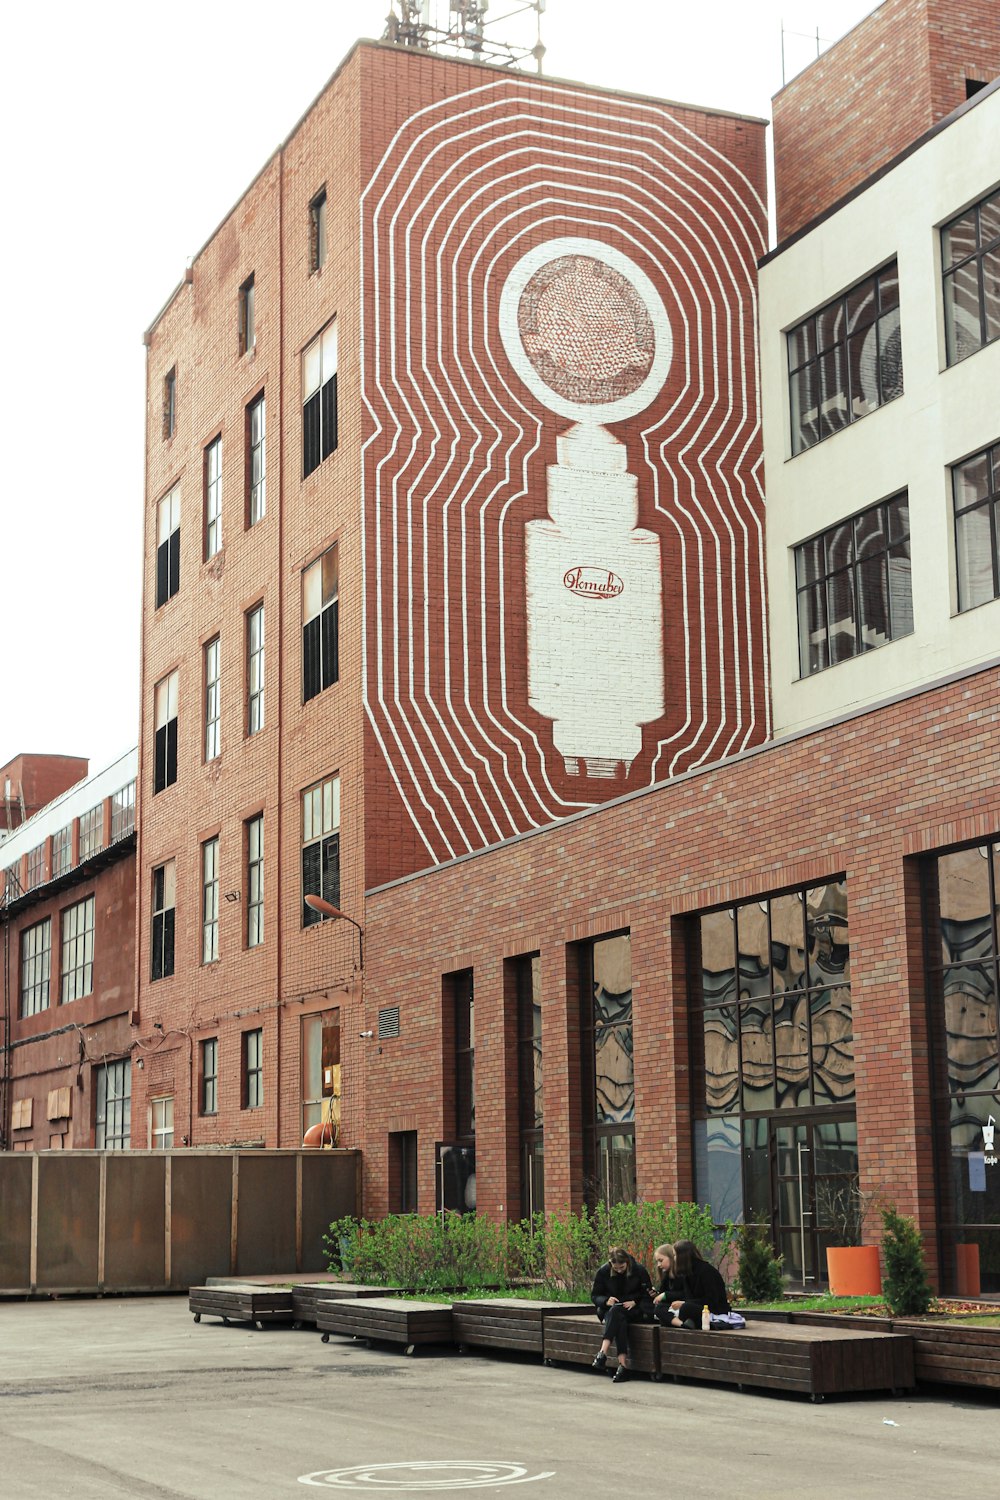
column 854, row 1270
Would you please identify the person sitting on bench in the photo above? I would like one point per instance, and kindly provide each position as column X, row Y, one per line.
column 665, row 1257
column 622, row 1294
column 697, row 1284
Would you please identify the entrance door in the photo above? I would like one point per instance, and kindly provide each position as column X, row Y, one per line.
column 793, row 1171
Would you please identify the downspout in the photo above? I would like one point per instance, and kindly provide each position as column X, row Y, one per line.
column 279, row 654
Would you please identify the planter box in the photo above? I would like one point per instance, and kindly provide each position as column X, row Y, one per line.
column 575, row 1339
column 508, row 1322
column 854, row 1270
column 817, row 1362
column 241, row 1304
column 307, row 1296
column 385, row 1319
column 954, row 1355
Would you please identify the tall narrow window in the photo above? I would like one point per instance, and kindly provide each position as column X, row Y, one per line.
column 463, row 999
column 77, row 973
column 168, row 546
column 319, row 399
column 529, row 1083
column 853, row 586
column 255, row 881
column 976, row 491
column 161, row 1124
column 36, row 958
column 845, row 360
column 213, row 498
column 164, row 887
column 320, row 846
column 62, row 851
column 165, row 746
column 609, row 1089
column 169, row 403
column 256, row 461
column 970, row 261
column 321, row 1070
column 255, row 669
column 248, row 332
column 212, row 698
column 253, row 1069
column 114, row 1106
column 35, row 872
column 320, row 624
column 210, row 1076
column 210, row 901
column 123, row 812
column 317, row 231
column 91, row 832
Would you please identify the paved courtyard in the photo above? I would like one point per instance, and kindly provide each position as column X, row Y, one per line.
column 129, row 1398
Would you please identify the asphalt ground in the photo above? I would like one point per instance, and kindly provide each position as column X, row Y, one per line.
column 128, row 1397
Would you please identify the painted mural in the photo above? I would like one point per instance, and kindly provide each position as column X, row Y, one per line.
column 563, row 512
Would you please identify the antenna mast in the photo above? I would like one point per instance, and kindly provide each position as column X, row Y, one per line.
column 459, row 28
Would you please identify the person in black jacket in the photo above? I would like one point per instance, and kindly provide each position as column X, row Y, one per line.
column 622, row 1294
column 697, row 1284
column 665, row 1258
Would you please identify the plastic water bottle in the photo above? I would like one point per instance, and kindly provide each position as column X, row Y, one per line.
column 706, row 1319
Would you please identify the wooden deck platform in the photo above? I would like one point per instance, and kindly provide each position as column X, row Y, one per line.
column 817, row 1362
column 242, row 1304
column 393, row 1320
column 953, row 1355
column 508, row 1322
column 307, row 1296
column 574, row 1340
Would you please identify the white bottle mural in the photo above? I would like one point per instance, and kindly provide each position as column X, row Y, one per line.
column 587, row 332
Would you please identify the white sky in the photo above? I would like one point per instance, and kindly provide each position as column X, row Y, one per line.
column 131, row 129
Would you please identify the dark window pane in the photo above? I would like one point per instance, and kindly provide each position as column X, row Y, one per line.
column 976, row 557
column 972, row 480
column 813, row 649
column 869, row 535
column 331, row 868
column 311, row 434
column 162, row 573
column 831, row 326
column 160, row 760
column 311, row 659
column 861, row 306
column 899, row 518
column 834, row 413
column 900, row 592
column 171, row 752
column 888, row 288
column 168, row 943
column 970, row 1010
column 752, row 957
column 890, row 351
column 991, row 294
column 757, row 1054
column 989, row 221
column 961, row 311
column 810, row 561
column 873, row 603
column 175, row 561
column 312, row 884
column 832, row 1045
column 840, row 546
column 862, row 358
column 959, row 239
column 788, row 956
column 721, row 1061
column 329, row 418
column 840, row 603
column 718, row 957
column 329, row 644
column 804, row 392
column 791, row 1051
column 801, row 344
column 827, row 934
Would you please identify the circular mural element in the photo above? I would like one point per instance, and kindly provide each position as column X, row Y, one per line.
column 586, row 330
column 432, row 1475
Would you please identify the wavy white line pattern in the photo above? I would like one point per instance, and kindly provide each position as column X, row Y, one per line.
column 455, row 460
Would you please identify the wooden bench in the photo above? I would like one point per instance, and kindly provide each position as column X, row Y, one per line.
column 507, row 1322
column 817, row 1362
column 307, row 1296
column 954, row 1355
column 242, row 1304
column 392, row 1320
column 574, row 1340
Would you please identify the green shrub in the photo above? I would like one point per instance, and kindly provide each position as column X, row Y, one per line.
column 759, row 1274
column 905, row 1286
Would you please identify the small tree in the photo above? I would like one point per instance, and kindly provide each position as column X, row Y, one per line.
column 906, row 1288
column 759, row 1274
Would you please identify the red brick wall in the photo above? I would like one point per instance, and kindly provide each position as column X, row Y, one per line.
column 40, row 779
column 859, row 798
column 62, row 1046
column 871, row 94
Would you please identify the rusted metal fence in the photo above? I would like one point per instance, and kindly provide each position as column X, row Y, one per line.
column 149, row 1221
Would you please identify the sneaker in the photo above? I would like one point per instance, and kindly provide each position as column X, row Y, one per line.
column 599, row 1362
column 620, row 1375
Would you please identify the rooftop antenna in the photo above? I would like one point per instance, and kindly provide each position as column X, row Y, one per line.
column 821, row 42
column 460, row 28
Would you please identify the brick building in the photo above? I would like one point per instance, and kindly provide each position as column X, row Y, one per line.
column 454, row 619
column 28, row 782
column 67, row 929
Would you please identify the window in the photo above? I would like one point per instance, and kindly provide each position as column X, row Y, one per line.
column 319, row 399
column 123, row 812
column 210, row 901
column 970, row 262
column 320, row 846
column 528, row 979
column 976, row 491
column 164, row 887
column 77, row 951
column 845, row 360
column 248, row 333
column 91, row 832
column 114, row 1106
column 403, row 1172
column 169, row 403
column 608, row 1076
column 317, row 231
column 321, row 1070
column 165, row 746
column 256, row 461
column 255, row 669
column 213, row 498
column 161, row 1124
column 35, row 873
column 320, row 624
column 168, row 546
column 460, row 989
column 253, row 1069
column 853, row 586
column 255, row 881
column 212, row 701
column 209, row 1076
column 62, row 851
column 36, row 956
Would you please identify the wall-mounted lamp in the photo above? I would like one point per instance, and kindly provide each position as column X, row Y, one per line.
column 364, row 1035
column 327, row 909
column 139, row 1063
column 157, row 1025
column 231, row 896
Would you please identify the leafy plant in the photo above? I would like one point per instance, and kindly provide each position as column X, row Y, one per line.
column 759, row 1276
column 905, row 1285
column 845, row 1208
